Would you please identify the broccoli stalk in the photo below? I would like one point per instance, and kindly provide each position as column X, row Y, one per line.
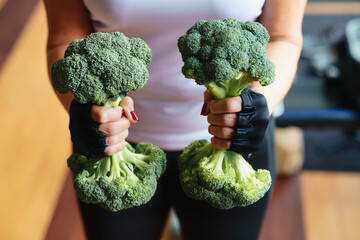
column 243, row 169
column 132, row 179
column 138, row 160
column 216, row 161
column 225, row 56
column 224, row 162
column 113, row 102
column 231, row 88
column 101, row 69
column 115, row 169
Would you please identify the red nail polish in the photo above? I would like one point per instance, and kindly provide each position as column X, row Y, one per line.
column 204, row 109
column 134, row 117
column 123, row 113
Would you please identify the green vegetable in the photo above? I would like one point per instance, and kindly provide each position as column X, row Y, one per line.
column 223, row 179
column 123, row 180
column 225, row 56
column 102, row 68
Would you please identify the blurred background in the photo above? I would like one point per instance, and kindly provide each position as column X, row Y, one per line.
column 317, row 192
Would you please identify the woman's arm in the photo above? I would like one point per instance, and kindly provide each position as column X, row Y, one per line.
column 283, row 20
column 67, row 20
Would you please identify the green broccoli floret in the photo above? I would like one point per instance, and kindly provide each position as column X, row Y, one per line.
column 224, row 179
column 225, row 56
column 102, row 68
column 123, row 180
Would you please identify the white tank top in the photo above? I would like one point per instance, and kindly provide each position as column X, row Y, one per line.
column 169, row 105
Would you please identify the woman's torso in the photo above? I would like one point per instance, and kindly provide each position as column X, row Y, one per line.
column 169, row 105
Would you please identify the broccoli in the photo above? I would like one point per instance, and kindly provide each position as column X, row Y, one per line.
column 225, row 56
column 126, row 179
column 101, row 69
column 223, row 179
column 102, row 66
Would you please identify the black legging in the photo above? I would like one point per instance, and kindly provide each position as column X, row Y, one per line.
column 198, row 220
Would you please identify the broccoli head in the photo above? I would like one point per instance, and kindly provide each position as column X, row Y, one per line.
column 223, row 179
column 226, row 55
column 123, row 180
column 102, row 66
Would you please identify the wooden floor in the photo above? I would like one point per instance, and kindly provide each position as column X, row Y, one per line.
column 34, row 145
column 331, row 204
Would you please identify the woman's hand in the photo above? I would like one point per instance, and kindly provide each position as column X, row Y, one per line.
column 98, row 131
column 221, row 114
column 114, row 123
column 237, row 123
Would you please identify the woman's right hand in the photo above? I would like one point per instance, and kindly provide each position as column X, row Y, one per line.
column 98, row 131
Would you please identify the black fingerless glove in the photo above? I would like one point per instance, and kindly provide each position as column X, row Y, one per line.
column 252, row 123
column 85, row 134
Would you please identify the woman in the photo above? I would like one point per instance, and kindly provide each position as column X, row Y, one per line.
column 168, row 106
